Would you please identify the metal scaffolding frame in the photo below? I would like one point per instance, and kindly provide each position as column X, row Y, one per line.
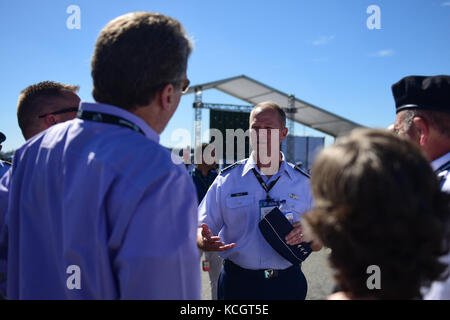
column 254, row 92
column 290, row 112
column 198, row 105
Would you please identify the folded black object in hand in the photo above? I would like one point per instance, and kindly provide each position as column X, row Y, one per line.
column 275, row 227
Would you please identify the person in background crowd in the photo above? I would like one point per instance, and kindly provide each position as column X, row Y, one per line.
column 4, row 165
column 378, row 207
column 45, row 104
column 203, row 175
column 96, row 207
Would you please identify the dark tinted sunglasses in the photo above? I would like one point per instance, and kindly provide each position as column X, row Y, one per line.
column 59, row 112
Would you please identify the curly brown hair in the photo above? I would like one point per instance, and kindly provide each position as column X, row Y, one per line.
column 378, row 202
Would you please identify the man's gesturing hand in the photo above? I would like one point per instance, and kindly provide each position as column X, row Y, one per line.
column 207, row 241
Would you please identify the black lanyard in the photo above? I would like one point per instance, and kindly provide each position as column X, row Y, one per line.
column 445, row 166
column 263, row 184
column 108, row 118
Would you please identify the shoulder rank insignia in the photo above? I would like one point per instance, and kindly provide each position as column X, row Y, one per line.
column 9, row 163
column 302, row 172
column 231, row 166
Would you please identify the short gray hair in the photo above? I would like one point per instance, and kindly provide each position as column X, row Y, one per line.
column 440, row 120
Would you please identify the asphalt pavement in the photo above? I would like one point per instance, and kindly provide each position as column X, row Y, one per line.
column 316, row 270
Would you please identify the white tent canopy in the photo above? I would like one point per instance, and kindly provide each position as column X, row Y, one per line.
column 253, row 92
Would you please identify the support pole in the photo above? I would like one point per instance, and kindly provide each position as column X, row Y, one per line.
column 198, row 125
column 290, row 112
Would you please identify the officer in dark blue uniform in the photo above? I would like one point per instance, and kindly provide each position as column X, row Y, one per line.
column 422, row 105
column 203, row 175
column 4, row 165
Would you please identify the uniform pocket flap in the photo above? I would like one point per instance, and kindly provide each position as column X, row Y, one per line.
column 235, row 202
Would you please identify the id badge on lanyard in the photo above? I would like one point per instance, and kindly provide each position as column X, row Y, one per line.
column 267, row 205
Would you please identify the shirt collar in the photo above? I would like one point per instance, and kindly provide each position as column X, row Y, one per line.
column 119, row 112
column 249, row 165
column 439, row 162
column 284, row 167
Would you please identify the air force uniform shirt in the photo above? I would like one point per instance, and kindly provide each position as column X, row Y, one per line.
column 440, row 290
column 99, row 211
column 231, row 210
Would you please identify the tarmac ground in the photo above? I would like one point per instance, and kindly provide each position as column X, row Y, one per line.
column 317, row 272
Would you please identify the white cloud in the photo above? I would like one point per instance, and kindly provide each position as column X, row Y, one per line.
column 323, row 40
column 446, row 4
column 383, row 53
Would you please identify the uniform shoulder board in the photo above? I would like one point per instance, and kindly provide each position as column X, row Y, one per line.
column 445, row 167
column 231, row 166
column 7, row 162
column 302, row 172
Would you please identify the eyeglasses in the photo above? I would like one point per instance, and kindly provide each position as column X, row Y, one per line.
column 59, row 112
column 185, row 85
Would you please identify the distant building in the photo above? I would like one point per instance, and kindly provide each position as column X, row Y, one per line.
column 306, row 149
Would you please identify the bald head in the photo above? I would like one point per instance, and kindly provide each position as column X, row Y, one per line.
column 268, row 130
column 273, row 106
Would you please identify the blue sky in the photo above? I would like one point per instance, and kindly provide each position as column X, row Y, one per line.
column 321, row 51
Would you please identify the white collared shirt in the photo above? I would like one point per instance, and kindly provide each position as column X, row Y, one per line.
column 231, row 210
column 444, row 175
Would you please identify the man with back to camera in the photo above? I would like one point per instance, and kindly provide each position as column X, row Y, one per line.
column 103, row 212
column 234, row 205
column 423, row 116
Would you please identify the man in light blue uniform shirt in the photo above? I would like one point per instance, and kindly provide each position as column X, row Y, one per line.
column 423, row 116
column 230, row 212
column 94, row 205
